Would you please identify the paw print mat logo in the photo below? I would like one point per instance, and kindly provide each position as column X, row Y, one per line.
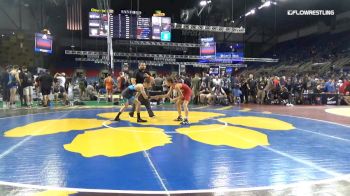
column 103, row 137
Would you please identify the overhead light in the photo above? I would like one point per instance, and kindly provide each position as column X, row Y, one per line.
column 13, row 33
column 204, row 2
column 266, row 4
column 250, row 12
column 275, row 3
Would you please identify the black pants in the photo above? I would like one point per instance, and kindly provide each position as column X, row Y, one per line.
column 21, row 96
column 144, row 102
column 244, row 96
column 6, row 94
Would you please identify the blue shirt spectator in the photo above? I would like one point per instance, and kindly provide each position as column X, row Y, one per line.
column 330, row 87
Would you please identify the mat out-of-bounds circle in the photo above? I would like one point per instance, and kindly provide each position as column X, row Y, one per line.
column 221, row 149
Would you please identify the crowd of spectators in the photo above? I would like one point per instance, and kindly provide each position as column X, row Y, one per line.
column 19, row 83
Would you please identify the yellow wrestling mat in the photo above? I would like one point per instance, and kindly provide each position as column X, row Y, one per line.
column 339, row 111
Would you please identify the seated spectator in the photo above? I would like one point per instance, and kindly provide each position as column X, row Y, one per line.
column 284, row 95
column 204, row 91
column 217, row 95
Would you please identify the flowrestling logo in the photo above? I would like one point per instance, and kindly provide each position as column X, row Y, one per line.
column 310, row 12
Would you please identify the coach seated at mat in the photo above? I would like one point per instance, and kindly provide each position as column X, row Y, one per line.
column 217, row 96
column 204, row 92
column 58, row 91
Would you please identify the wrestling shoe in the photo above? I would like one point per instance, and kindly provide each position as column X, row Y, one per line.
column 116, row 119
column 179, row 119
column 185, row 122
column 141, row 120
column 131, row 114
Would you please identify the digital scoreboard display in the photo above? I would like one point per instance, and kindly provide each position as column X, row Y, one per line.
column 129, row 25
column 43, row 43
column 161, row 28
column 144, row 28
column 214, row 70
column 125, row 26
column 207, row 48
column 98, row 24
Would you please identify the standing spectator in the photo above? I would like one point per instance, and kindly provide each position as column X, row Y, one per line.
column 226, row 85
column 46, row 81
column 6, row 91
column 82, row 86
column 234, row 86
column 251, row 84
column 21, row 87
column 261, row 90
column 245, row 90
column 330, row 86
column 27, row 83
column 195, row 83
column 158, row 83
column 12, row 85
column 206, row 79
column 344, row 86
column 187, row 80
column 109, row 83
column 121, row 82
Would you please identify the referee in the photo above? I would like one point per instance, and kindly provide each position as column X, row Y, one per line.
column 138, row 78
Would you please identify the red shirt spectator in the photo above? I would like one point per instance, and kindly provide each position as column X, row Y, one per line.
column 346, row 85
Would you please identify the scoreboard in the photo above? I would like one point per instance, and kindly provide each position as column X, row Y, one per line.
column 144, row 28
column 125, row 26
column 98, row 24
column 129, row 25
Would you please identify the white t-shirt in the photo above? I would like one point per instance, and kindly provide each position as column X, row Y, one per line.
column 61, row 80
column 217, row 82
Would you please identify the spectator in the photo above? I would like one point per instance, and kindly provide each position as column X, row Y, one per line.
column 217, row 96
column 13, row 83
column 121, row 82
column 158, row 83
column 61, row 79
column 46, row 81
column 21, row 87
column 109, row 83
column 196, row 83
column 330, row 86
column 82, row 87
column 251, row 84
column 204, row 92
column 5, row 88
column 261, row 90
column 226, row 85
column 27, row 83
